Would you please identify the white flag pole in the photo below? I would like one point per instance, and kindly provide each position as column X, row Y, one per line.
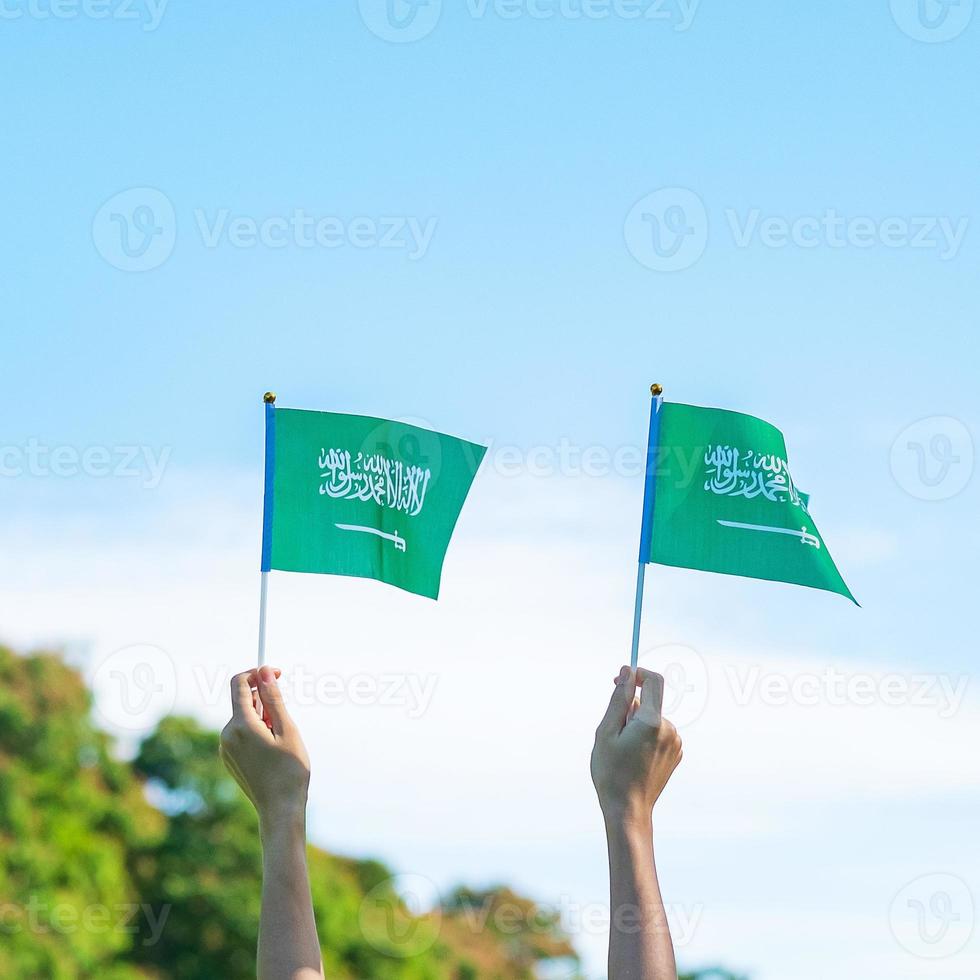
column 646, row 524
column 263, row 598
column 637, row 613
column 270, row 461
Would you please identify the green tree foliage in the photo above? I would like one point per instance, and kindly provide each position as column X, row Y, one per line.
column 97, row 882
column 69, row 816
column 531, row 934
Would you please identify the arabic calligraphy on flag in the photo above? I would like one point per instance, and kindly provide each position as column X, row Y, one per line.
column 734, row 472
column 388, row 482
column 742, row 514
column 354, row 495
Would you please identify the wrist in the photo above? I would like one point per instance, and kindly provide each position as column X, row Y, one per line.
column 283, row 816
column 630, row 820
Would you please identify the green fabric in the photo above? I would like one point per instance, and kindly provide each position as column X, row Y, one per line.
column 715, row 466
column 373, row 476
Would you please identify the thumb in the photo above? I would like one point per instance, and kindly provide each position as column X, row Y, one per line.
column 620, row 702
column 272, row 701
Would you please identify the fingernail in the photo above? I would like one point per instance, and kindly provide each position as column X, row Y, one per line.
column 623, row 674
column 266, row 675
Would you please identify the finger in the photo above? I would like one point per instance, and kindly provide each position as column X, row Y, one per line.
column 253, row 676
column 274, row 709
column 620, row 702
column 242, row 706
column 253, row 679
column 260, row 711
column 652, row 697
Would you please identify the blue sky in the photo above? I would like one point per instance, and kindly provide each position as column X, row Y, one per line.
column 825, row 159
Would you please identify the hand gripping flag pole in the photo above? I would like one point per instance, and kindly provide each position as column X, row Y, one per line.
column 270, row 462
column 646, row 524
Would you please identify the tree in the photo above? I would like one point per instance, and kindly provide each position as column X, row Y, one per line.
column 70, row 815
column 97, row 882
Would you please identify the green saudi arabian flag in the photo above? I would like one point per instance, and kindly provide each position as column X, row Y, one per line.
column 353, row 495
column 720, row 498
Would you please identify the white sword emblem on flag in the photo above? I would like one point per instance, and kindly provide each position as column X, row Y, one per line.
column 399, row 542
column 803, row 534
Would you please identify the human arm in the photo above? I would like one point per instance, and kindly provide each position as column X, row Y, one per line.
column 263, row 750
column 636, row 751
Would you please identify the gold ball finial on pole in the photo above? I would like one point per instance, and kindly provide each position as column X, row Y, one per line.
column 656, row 390
column 269, row 398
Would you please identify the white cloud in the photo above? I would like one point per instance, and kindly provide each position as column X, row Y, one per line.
column 491, row 781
